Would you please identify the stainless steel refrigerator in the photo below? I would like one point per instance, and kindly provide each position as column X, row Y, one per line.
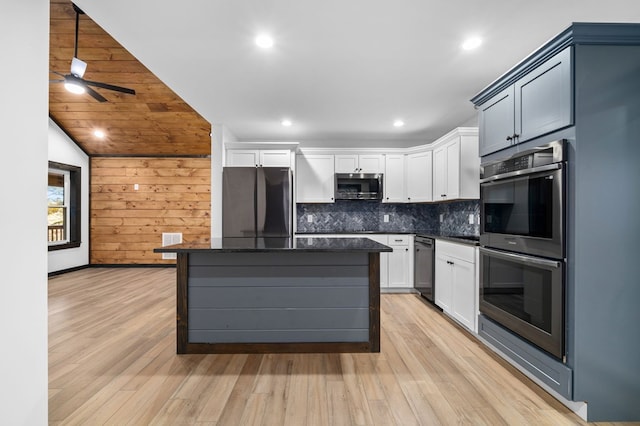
column 256, row 202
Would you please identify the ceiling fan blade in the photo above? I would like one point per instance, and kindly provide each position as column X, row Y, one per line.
column 57, row 81
column 56, row 72
column 97, row 96
column 110, row 87
column 78, row 67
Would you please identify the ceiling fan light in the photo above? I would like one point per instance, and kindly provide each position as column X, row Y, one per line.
column 74, row 88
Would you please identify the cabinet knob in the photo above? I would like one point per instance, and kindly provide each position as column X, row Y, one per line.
column 408, row 198
column 509, row 138
column 443, row 195
column 406, row 249
column 516, row 136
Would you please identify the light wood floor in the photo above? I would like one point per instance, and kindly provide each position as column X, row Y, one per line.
column 112, row 361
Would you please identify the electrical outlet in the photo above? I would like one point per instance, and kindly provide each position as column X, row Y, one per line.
column 385, row 218
column 310, row 218
column 471, row 219
column 136, row 186
column 441, row 217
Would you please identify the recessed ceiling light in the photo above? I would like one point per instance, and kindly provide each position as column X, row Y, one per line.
column 398, row 123
column 471, row 43
column 99, row 134
column 264, row 41
column 286, row 123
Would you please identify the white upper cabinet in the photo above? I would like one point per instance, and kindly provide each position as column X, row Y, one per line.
column 315, row 178
column 419, row 177
column 243, row 158
column 456, row 167
column 364, row 163
column 258, row 158
column 394, row 179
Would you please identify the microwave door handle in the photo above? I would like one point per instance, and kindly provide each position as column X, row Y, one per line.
column 525, row 172
column 521, row 258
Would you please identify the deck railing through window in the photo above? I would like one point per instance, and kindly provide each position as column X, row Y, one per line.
column 55, row 233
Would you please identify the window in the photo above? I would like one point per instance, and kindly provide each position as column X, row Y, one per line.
column 63, row 210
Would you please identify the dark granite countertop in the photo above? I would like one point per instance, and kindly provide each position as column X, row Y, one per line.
column 473, row 240
column 355, row 232
column 232, row 245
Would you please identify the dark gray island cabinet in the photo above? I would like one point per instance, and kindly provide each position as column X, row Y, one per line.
column 262, row 295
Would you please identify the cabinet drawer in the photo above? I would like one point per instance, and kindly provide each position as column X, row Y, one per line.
column 459, row 251
column 398, row 240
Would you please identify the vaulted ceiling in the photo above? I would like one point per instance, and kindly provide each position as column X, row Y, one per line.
column 155, row 121
column 342, row 71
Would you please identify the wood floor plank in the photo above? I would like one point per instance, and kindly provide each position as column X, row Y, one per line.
column 112, row 361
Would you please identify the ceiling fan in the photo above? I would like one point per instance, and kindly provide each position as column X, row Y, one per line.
column 74, row 82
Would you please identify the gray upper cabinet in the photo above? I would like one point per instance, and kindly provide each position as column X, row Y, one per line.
column 497, row 122
column 543, row 98
column 536, row 104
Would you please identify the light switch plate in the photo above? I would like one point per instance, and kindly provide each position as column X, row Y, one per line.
column 310, row 218
column 441, row 217
column 385, row 218
column 471, row 219
column 136, row 186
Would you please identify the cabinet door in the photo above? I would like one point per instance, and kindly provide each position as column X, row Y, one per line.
column 384, row 260
column 243, row 158
column 543, row 98
column 463, row 285
column 440, row 173
column 275, row 158
column 452, row 185
column 314, row 178
column 419, row 177
column 497, row 122
column 371, row 163
column 442, row 283
column 399, row 267
column 346, row 163
column 394, row 179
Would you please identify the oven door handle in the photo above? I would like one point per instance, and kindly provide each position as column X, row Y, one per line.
column 521, row 258
column 525, row 172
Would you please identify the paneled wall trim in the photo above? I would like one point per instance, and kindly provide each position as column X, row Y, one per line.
column 172, row 195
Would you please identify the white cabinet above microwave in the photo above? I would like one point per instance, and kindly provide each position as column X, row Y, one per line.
column 363, row 163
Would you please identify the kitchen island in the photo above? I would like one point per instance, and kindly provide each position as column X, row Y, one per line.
column 262, row 295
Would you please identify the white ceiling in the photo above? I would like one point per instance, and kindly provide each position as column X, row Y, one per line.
column 341, row 70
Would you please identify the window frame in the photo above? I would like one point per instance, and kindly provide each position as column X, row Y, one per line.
column 74, row 208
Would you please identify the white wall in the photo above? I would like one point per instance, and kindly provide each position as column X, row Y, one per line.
column 220, row 135
column 24, row 38
column 64, row 150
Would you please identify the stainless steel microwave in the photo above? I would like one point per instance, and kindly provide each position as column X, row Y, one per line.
column 358, row 186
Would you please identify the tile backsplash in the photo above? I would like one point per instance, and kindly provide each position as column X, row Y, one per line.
column 359, row 216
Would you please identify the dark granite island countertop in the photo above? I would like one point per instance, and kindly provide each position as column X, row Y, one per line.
column 302, row 244
column 262, row 295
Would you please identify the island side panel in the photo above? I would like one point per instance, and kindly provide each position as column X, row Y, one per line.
column 289, row 302
column 374, row 301
column 182, row 312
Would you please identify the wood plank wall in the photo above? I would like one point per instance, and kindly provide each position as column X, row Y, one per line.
column 174, row 195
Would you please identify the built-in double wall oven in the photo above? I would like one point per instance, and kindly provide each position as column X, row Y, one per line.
column 522, row 238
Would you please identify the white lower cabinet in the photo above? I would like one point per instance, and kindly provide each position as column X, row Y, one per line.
column 400, row 261
column 384, row 259
column 456, row 282
column 396, row 268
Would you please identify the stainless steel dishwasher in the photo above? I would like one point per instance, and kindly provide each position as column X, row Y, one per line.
column 424, row 259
